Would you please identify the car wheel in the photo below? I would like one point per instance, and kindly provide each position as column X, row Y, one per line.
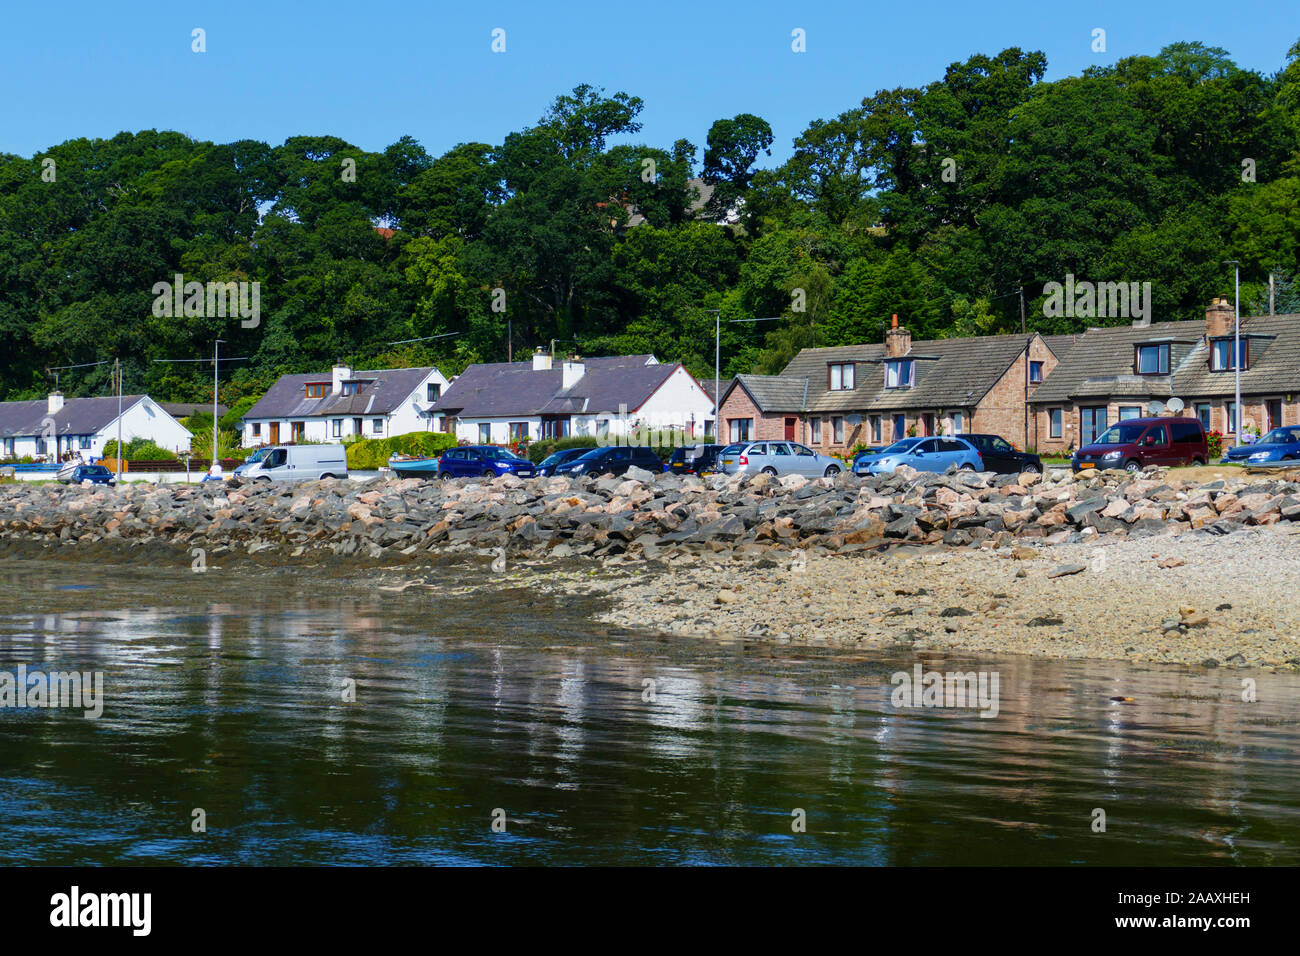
column 967, row 467
column 832, row 471
column 326, row 475
column 1288, row 457
column 1198, row 460
column 263, row 478
column 489, row 473
column 1132, row 465
column 769, row 470
column 1031, row 469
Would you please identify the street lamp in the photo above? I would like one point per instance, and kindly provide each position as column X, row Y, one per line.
column 1236, row 343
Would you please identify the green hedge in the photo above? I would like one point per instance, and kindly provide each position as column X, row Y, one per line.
column 141, row 449
column 368, row 454
column 545, row 447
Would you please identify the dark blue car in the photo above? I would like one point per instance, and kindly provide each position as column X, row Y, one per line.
column 483, row 461
column 1279, row 445
column 95, row 474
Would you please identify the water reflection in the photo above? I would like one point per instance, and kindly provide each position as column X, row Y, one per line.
column 599, row 749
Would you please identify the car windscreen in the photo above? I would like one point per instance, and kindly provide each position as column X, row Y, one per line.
column 94, row 470
column 1282, row 436
column 732, row 449
column 1121, row 434
column 550, row 460
column 590, row 455
column 499, row 454
column 900, row 446
column 256, row 456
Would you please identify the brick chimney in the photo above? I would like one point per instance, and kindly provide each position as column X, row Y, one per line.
column 1218, row 318
column 898, row 341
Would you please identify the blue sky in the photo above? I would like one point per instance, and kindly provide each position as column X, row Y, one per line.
column 371, row 72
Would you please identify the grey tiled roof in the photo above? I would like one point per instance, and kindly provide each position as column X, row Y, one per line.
column 388, row 389
column 503, row 389
column 774, row 393
column 79, row 416
column 1101, row 364
column 948, row 373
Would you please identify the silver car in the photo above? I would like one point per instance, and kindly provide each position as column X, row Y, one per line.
column 776, row 458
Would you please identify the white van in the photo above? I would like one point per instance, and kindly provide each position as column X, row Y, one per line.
column 295, row 463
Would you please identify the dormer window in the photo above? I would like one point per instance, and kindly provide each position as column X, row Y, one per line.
column 898, row 373
column 1221, row 354
column 1151, row 359
column 349, row 388
column 316, row 390
column 840, row 376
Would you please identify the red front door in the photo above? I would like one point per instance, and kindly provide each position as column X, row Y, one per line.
column 790, row 430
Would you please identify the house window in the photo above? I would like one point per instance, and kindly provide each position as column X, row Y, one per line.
column 349, row 388
column 431, row 391
column 299, row 430
column 958, row 423
column 1152, row 359
column 1035, row 372
column 356, row 426
column 1054, row 417
column 841, row 376
column 875, row 429
column 257, row 429
column 741, row 428
column 816, row 430
column 1129, row 411
column 837, row 429
column 602, row 428
column 83, row 441
column 9, row 447
column 1203, row 413
column 1230, row 410
column 899, row 427
column 316, row 390
column 338, row 428
column 898, row 373
column 518, row 431
column 377, row 426
column 1092, row 422
column 484, row 433
column 1221, row 355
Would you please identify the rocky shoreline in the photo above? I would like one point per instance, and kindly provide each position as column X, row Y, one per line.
column 1146, row 566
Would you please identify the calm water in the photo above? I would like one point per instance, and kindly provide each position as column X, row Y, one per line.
column 224, row 692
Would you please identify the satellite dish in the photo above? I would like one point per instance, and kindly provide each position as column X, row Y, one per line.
column 1155, row 408
column 1176, row 405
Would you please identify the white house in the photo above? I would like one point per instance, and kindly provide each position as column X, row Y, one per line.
column 508, row 402
column 52, row 427
column 376, row 404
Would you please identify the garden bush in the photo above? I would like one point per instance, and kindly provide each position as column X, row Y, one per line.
column 368, row 454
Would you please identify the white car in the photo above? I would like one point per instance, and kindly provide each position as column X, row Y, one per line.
column 776, row 458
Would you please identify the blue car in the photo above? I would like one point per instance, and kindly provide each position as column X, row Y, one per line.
column 923, row 454
column 1279, row 445
column 95, row 474
column 561, row 457
column 483, row 461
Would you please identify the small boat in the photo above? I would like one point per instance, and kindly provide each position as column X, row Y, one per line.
column 406, row 466
column 64, row 474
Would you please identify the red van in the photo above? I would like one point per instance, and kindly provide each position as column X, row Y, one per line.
column 1137, row 442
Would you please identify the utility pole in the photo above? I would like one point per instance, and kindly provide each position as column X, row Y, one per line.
column 117, row 369
column 1236, row 343
column 1022, row 309
column 216, row 351
column 1272, row 294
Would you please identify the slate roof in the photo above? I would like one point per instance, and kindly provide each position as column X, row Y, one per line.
column 1101, row 363
column 505, row 389
column 186, row 409
column 773, row 393
column 78, row 416
column 388, row 388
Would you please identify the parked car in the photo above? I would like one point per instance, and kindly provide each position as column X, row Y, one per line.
column 95, row 474
column 776, row 458
column 483, row 461
column 612, row 460
column 561, row 457
column 1000, row 455
column 862, row 463
column 1137, row 442
column 924, row 454
column 1279, row 445
column 296, row 463
column 693, row 459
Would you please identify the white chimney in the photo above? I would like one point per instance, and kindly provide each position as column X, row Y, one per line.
column 541, row 361
column 55, row 402
column 572, row 370
column 341, row 372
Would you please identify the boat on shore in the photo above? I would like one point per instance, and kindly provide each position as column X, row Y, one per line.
column 408, row 466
